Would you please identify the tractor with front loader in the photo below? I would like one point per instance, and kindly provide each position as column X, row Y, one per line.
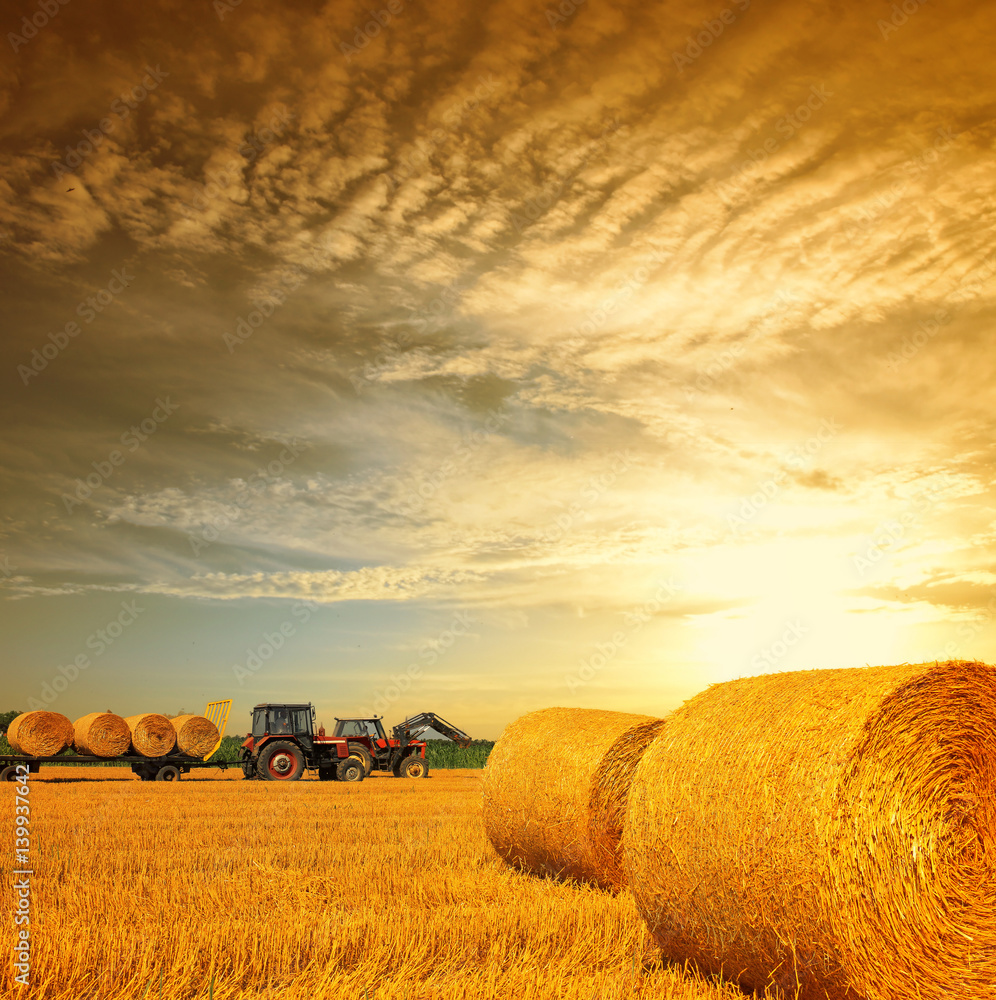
column 284, row 743
column 403, row 752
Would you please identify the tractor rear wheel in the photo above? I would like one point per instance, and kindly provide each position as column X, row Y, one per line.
column 362, row 753
column 281, row 761
column 350, row 769
column 412, row 767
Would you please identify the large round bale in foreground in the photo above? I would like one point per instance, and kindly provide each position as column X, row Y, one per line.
column 101, row 734
column 555, row 791
column 831, row 832
column 151, row 735
column 40, row 734
column 196, row 735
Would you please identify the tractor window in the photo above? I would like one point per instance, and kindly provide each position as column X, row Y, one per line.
column 357, row 727
column 302, row 721
column 280, row 722
column 258, row 722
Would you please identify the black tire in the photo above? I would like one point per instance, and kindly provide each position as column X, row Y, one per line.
column 281, row 761
column 350, row 769
column 168, row 773
column 360, row 751
column 9, row 773
column 248, row 771
column 412, row 767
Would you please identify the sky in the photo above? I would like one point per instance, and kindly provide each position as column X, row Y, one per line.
column 483, row 357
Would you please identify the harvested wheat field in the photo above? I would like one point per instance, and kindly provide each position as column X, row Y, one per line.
column 555, row 791
column 830, row 831
column 237, row 890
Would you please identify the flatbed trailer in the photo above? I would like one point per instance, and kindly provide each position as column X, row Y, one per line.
column 169, row 768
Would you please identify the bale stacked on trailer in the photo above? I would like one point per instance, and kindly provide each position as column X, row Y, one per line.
column 196, row 735
column 40, row 734
column 151, row 735
column 830, row 832
column 555, row 790
column 101, row 734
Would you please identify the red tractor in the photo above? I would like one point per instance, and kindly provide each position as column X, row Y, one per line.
column 403, row 753
column 283, row 743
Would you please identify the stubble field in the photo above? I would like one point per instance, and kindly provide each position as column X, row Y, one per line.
column 220, row 888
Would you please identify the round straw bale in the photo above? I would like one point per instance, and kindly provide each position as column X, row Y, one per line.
column 555, row 789
column 101, row 734
column 151, row 735
column 830, row 832
column 608, row 798
column 40, row 734
column 195, row 734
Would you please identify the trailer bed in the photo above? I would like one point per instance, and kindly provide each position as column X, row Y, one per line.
column 168, row 768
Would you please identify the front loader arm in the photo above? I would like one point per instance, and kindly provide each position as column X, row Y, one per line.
column 415, row 727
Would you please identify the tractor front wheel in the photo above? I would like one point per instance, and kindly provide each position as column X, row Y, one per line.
column 281, row 762
column 412, row 767
column 350, row 769
column 359, row 751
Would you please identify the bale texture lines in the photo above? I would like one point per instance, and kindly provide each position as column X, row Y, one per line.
column 196, row 735
column 151, row 735
column 829, row 832
column 101, row 734
column 555, row 790
column 40, row 734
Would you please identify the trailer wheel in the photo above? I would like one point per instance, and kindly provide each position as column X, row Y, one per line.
column 281, row 762
column 168, row 773
column 350, row 769
column 9, row 773
column 360, row 751
column 413, row 767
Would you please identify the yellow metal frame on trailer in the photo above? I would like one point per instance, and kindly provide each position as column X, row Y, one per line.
column 217, row 712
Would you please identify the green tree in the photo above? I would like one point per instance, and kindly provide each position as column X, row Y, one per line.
column 6, row 718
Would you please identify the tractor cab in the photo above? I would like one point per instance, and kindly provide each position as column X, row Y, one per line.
column 371, row 729
column 283, row 721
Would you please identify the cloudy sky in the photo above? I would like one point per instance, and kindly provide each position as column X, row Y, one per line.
column 480, row 357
